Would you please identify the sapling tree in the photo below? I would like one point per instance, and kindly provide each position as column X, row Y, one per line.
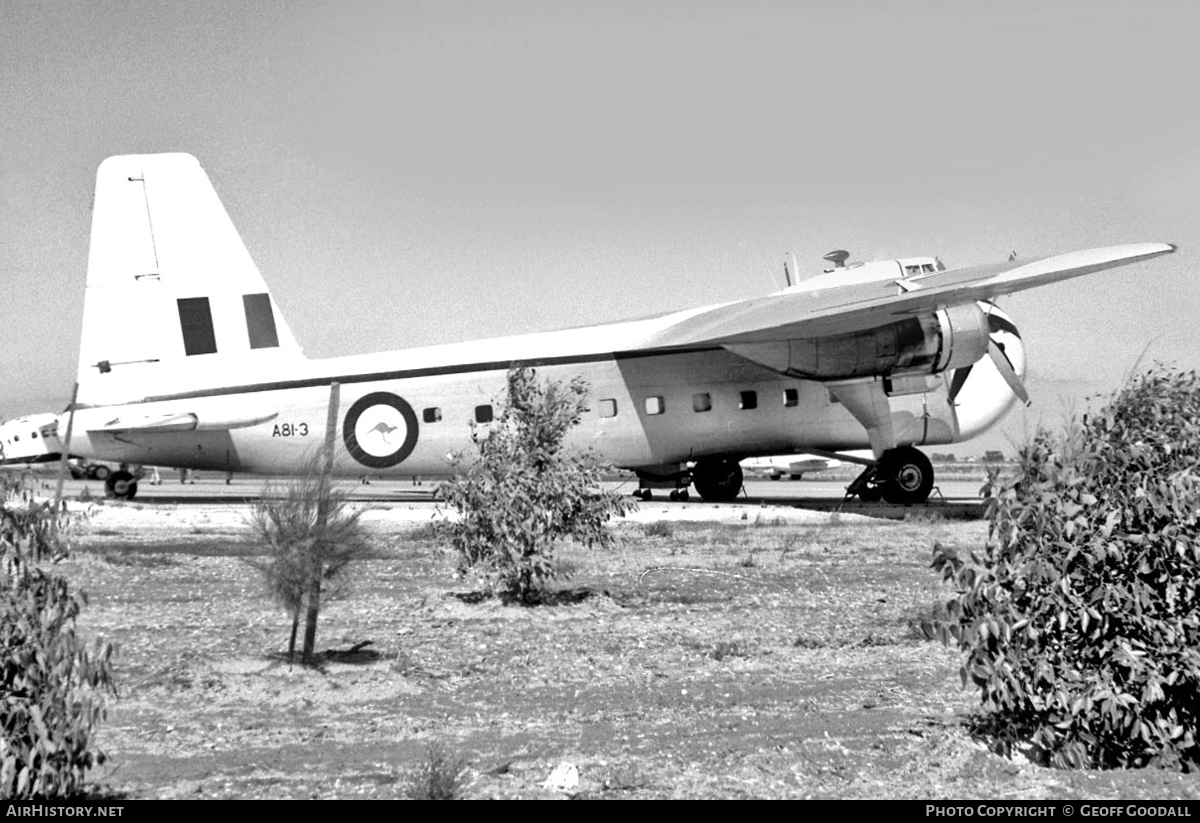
column 527, row 491
column 309, row 535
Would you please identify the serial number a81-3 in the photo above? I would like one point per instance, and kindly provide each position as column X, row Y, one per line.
column 290, row 430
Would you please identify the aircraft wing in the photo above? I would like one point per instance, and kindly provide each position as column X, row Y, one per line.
column 854, row 307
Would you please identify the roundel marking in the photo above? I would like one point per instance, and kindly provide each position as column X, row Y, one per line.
column 380, row 430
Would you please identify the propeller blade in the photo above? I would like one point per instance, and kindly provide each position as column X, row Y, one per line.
column 1007, row 371
column 960, row 379
column 997, row 323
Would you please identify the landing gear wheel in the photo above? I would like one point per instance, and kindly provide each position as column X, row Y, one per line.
column 121, row 486
column 718, row 480
column 101, row 472
column 645, row 495
column 907, row 476
column 679, row 495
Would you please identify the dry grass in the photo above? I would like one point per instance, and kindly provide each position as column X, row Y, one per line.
column 802, row 674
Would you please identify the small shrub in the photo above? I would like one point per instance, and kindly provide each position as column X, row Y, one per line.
column 1080, row 618
column 928, row 622
column 788, row 544
column 725, row 649
column 659, row 528
column 806, row 642
column 626, row 777
column 527, row 491
column 442, row 775
column 51, row 689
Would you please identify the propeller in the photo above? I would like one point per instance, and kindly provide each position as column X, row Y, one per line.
column 1003, row 364
column 1005, row 367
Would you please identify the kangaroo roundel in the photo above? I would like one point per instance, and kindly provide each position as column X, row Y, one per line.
column 380, row 430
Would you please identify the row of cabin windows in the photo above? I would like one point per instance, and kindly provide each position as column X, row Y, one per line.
column 483, row 414
column 701, row 402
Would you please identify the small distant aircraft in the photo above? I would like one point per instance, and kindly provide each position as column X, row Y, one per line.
column 791, row 466
column 888, row 356
column 29, row 439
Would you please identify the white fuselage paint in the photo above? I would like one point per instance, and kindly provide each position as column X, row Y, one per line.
column 458, row 378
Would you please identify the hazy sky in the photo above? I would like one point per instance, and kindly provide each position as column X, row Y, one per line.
column 410, row 173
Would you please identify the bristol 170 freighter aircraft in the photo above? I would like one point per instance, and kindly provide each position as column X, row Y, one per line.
column 187, row 362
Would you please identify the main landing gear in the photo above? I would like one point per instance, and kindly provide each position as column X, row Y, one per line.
column 903, row 476
column 120, row 485
column 717, row 480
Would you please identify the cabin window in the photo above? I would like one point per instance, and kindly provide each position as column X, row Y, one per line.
column 483, row 414
column 702, row 402
column 654, row 405
column 33, row 435
column 748, row 400
column 431, row 415
column 608, row 408
column 791, row 397
column 195, row 320
column 260, row 321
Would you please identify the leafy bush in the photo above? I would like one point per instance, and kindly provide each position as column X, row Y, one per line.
column 309, row 535
column 32, row 531
column 527, row 491
column 1080, row 618
column 51, row 689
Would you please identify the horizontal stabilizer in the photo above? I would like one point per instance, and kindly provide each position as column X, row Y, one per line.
column 183, row 422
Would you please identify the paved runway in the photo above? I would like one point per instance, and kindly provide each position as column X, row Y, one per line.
column 953, row 497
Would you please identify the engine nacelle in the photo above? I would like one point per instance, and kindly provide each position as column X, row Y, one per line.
column 947, row 339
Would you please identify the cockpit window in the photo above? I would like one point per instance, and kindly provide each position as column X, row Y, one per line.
column 912, row 270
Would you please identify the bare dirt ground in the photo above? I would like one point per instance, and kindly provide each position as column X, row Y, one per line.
column 779, row 654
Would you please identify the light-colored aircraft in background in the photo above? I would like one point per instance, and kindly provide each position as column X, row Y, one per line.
column 791, row 466
column 32, row 438
column 887, row 356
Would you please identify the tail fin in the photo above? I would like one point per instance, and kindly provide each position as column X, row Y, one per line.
column 174, row 303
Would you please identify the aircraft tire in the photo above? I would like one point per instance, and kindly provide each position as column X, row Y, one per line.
column 120, row 486
column 908, row 476
column 717, row 480
column 100, row 472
